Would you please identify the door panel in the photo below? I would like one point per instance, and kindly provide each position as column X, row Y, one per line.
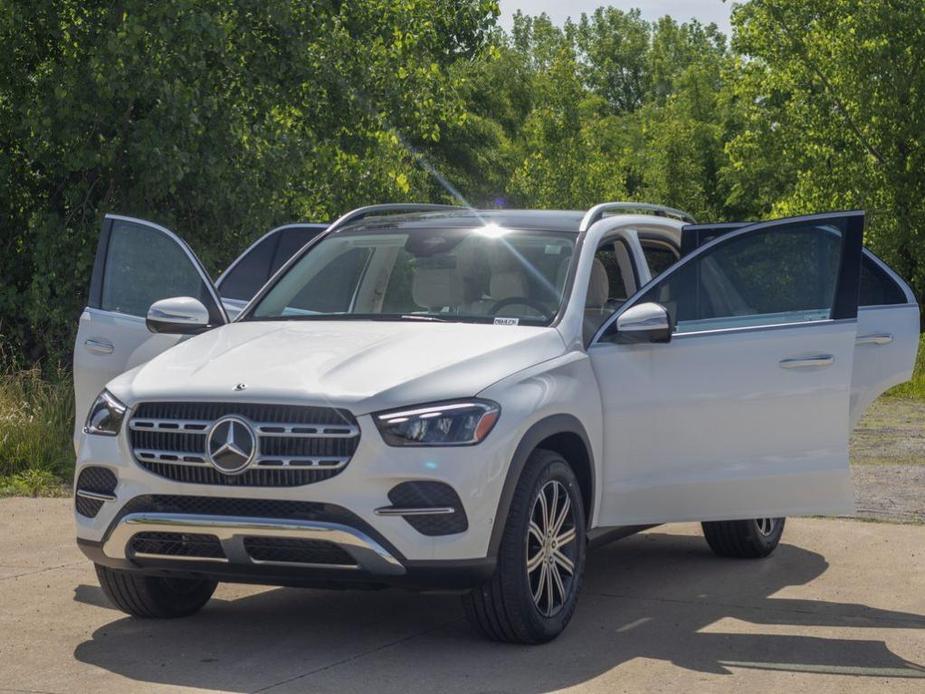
column 711, row 427
column 137, row 263
column 885, row 352
column 745, row 413
column 888, row 334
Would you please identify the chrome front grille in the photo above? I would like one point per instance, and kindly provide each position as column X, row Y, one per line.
column 296, row 445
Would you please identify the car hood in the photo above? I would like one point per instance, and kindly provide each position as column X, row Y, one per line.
column 362, row 365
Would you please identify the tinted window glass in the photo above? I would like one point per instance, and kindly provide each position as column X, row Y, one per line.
column 251, row 272
column 659, row 257
column 877, row 287
column 290, row 242
column 776, row 276
column 452, row 273
column 144, row 265
column 332, row 289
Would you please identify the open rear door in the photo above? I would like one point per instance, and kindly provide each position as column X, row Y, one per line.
column 888, row 334
column 254, row 267
column 137, row 263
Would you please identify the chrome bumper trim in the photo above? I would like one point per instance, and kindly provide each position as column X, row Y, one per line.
column 422, row 511
column 231, row 531
column 96, row 496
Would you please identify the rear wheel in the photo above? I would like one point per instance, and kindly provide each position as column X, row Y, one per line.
column 533, row 593
column 154, row 596
column 744, row 539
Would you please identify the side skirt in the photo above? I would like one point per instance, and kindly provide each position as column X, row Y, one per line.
column 602, row 536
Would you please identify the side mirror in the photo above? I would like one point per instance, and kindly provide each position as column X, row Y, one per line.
column 648, row 322
column 178, row 315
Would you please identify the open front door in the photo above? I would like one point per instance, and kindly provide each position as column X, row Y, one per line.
column 888, row 321
column 137, row 263
column 745, row 412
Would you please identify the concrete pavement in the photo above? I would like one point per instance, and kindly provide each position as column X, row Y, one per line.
column 840, row 607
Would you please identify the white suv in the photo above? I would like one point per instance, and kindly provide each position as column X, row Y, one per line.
column 437, row 397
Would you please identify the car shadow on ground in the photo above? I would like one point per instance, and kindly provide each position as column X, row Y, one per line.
column 653, row 596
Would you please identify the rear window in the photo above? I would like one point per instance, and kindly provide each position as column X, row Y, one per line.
column 877, row 288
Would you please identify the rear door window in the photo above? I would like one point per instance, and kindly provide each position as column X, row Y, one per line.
column 251, row 271
column 877, row 287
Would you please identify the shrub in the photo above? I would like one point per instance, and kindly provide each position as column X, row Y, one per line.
column 36, row 423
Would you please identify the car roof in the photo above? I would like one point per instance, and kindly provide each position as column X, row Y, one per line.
column 539, row 220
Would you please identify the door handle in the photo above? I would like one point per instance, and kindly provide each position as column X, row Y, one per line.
column 874, row 339
column 807, row 362
column 98, row 346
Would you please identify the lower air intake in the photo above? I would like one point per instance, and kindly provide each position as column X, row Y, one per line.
column 294, row 551
column 192, row 545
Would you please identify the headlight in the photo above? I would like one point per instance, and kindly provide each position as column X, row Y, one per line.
column 458, row 423
column 105, row 416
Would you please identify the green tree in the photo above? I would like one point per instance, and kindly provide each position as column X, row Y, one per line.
column 216, row 119
column 836, row 115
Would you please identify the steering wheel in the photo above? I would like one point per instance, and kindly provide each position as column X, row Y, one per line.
column 537, row 306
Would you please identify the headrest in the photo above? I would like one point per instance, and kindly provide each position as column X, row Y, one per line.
column 508, row 283
column 598, row 287
column 507, row 276
column 436, row 282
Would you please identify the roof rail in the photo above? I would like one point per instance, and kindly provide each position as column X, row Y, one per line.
column 389, row 207
column 597, row 212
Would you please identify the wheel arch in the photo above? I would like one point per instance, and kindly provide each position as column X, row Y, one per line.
column 564, row 434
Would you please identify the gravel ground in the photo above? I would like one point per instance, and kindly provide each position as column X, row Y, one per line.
column 888, row 461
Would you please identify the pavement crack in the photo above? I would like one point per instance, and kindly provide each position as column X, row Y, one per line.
column 357, row 656
column 39, row 571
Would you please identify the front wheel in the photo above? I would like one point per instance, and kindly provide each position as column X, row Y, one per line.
column 154, row 596
column 533, row 593
column 744, row 539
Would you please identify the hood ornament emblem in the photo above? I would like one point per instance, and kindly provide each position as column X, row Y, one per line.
column 240, row 386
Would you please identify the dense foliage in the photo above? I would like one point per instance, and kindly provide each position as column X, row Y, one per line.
column 219, row 119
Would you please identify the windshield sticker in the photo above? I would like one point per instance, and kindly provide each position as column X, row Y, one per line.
column 506, row 321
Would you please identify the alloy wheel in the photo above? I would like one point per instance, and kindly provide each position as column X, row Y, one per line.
column 766, row 526
column 551, row 549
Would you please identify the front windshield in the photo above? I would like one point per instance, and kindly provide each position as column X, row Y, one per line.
column 475, row 275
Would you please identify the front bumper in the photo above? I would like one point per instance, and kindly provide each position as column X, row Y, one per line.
column 384, row 547
column 360, row 550
column 364, row 560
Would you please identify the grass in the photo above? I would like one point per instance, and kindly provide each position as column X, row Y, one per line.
column 914, row 388
column 36, row 424
column 890, row 432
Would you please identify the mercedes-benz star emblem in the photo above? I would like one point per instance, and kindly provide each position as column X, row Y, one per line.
column 231, row 445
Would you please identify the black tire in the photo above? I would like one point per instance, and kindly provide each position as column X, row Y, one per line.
column 154, row 596
column 504, row 608
column 744, row 539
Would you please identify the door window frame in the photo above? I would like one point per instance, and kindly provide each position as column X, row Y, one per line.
column 844, row 301
column 95, row 298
